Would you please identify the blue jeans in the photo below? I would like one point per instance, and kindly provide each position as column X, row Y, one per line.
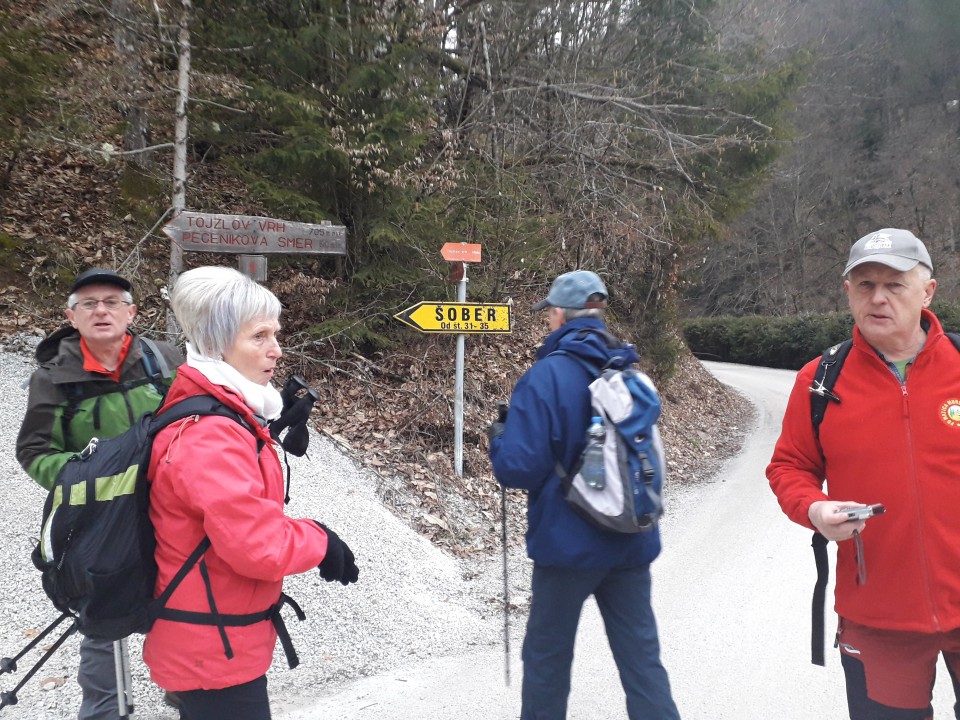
column 623, row 596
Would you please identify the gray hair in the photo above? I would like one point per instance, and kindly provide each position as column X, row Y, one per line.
column 213, row 303
column 594, row 312
column 73, row 299
column 571, row 313
column 923, row 272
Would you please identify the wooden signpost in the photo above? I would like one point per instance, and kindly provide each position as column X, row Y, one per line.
column 252, row 236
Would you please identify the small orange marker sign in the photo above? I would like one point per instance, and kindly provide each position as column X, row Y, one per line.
column 461, row 252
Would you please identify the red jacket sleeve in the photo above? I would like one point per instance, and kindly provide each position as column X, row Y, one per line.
column 796, row 470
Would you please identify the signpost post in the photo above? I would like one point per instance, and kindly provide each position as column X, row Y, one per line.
column 462, row 318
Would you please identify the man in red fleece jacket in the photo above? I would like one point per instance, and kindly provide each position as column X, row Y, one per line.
column 893, row 438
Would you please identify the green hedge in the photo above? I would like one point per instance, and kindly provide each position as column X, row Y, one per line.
column 780, row 341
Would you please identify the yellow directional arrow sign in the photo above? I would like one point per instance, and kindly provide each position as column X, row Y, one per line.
column 438, row 317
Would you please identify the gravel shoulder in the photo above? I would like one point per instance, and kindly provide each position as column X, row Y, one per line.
column 412, row 602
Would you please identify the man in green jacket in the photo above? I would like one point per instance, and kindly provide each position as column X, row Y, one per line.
column 95, row 379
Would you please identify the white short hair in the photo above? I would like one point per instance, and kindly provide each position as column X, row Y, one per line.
column 212, row 304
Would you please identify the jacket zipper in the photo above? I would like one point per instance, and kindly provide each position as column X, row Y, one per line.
column 914, row 484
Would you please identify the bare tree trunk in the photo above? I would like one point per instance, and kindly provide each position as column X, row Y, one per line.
column 136, row 134
column 180, row 145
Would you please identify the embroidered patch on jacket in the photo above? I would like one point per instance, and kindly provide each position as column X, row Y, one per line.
column 950, row 413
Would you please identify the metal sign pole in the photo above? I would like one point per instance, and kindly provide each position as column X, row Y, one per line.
column 458, row 386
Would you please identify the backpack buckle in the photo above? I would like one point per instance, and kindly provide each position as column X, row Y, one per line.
column 818, row 388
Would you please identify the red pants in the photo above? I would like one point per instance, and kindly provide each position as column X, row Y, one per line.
column 890, row 673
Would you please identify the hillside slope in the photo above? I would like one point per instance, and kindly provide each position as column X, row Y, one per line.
column 69, row 208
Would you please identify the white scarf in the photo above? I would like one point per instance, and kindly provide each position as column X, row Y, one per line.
column 264, row 400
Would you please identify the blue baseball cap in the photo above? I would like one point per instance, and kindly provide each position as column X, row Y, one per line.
column 572, row 289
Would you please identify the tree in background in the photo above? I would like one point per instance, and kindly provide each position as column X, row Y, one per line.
column 25, row 66
column 628, row 131
column 557, row 134
column 875, row 146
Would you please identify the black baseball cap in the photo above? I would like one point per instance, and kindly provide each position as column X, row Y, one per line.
column 99, row 276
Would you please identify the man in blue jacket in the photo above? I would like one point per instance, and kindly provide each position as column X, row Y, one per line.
column 546, row 424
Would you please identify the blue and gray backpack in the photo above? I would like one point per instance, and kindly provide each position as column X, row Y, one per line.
column 631, row 498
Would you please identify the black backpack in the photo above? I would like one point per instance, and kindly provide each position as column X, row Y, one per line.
column 821, row 395
column 96, row 549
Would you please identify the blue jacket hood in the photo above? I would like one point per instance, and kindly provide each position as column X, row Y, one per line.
column 588, row 338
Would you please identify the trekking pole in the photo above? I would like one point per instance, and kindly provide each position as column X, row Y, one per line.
column 10, row 698
column 9, row 665
column 506, row 586
column 121, row 664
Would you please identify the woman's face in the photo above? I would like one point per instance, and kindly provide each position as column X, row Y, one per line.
column 255, row 350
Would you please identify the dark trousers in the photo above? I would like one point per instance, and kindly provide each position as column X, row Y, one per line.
column 623, row 596
column 97, row 678
column 240, row 702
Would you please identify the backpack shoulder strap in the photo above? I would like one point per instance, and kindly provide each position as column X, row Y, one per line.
column 831, row 362
column 75, row 395
column 201, row 405
column 821, row 394
column 196, row 405
column 155, row 365
column 593, row 372
column 955, row 339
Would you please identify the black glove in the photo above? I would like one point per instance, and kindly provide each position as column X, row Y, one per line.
column 295, row 414
column 338, row 564
column 296, row 440
column 497, row 426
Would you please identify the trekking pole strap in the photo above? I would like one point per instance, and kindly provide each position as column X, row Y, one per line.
column 819, row 544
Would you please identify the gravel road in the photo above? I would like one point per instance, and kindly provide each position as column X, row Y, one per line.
column 420, row 636
column 412, row 602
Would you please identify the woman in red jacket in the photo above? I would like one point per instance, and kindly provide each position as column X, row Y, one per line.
column 212, row 477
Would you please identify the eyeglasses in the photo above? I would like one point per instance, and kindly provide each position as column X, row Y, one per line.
column 111, row 304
